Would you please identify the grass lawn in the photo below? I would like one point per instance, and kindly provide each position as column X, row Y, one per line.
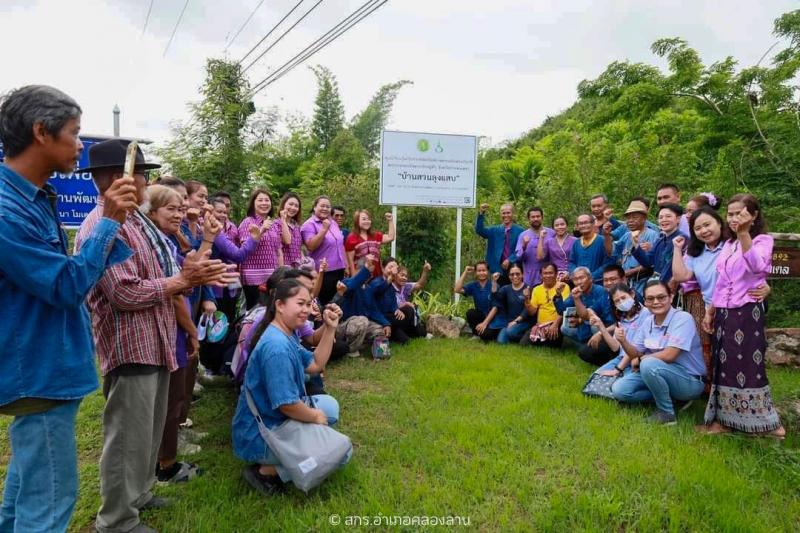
column 499, row 434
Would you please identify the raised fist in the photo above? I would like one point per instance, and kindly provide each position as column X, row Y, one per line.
column 678, row 242
column 484, row 208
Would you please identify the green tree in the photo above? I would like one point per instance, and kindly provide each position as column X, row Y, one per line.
column 367, row 125
column 328, row 118
column 211, row 147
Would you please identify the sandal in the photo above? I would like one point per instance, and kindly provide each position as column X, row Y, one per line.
column 715, row 428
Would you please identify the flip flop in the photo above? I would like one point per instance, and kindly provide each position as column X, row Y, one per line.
column 705, row 429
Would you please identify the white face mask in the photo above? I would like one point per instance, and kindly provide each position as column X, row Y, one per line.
column 626, row 305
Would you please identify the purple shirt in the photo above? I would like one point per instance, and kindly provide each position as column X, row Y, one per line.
column 403, row 294
column 259, row 266
column 232, row 232
column 331, row 247
column 292, row 255
column 306, row 330
column 556, row 253
column 530, row 264
column 737, row 273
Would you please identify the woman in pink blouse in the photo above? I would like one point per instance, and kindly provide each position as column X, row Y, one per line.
column 740, row 397
column 289, row 211
column 268, row 256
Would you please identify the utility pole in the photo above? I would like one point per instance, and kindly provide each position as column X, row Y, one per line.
column 116, row 120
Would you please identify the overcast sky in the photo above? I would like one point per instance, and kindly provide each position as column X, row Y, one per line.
column 485, row 67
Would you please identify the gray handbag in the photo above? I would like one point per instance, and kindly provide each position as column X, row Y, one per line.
column 310, row 452
column 599, row 386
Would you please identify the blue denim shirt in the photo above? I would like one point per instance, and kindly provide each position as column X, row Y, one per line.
column 496, row 236
column 275, row 377
column 46, row 348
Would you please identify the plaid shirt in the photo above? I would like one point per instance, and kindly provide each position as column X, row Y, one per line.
column 133, row 319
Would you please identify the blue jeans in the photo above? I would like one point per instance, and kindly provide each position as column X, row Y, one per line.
column 513, row 333
column 330, row 407
column 659, row 381
column 42, row 478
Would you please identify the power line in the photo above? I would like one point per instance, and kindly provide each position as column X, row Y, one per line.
column 246, row 22
column 270, row 47
column 175, row 29
column 317, row 45
column 147, row 18
column 319, row 41
column 271, row 30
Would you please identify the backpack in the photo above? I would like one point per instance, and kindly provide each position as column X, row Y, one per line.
column 381, row 348
column 241, row 350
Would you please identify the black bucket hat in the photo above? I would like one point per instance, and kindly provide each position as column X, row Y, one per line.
column 111, row 154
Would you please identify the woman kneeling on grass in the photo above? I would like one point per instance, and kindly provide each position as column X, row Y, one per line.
column 671, row 357
column 628, row 314
column 276, row 382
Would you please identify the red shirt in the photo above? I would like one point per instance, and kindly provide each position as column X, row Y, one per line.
column 365, row 247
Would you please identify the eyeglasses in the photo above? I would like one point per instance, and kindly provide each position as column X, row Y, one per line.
column 658, row 298
column 514, row 274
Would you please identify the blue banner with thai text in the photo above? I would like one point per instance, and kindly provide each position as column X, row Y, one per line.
column 77, row 195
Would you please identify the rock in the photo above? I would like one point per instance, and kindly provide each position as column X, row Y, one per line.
column 440, row 326
column 783, row 346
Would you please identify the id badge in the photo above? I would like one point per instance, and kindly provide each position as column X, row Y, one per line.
column 652, row 343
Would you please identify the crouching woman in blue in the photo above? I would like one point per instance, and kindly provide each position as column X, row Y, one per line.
column 275, row 379
column 670, row 354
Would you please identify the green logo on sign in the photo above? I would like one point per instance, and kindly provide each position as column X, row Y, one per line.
column 423, row 145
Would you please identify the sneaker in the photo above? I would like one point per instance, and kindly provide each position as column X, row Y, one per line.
column 266, row 485
column 663, row 418
column 210, row 378
column 474, row 338
column 682, row 405
column 198, row 389
column 190, row 435
column 429, row 336
column 156, row 502
column 141, row 528
column 187, row 423
column 178, row 473
column 354, row 354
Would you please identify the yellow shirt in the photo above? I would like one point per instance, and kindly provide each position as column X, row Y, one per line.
column 543, row 299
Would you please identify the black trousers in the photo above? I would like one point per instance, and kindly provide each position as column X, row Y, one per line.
column 475, row 317
column 402, row 330
column 328, row 289
column 251, row 296
column 550, row 343
column 596, row 356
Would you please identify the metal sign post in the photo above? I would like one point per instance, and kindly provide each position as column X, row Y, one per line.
column 459, row 212
column 431, row 170
column 396, row 233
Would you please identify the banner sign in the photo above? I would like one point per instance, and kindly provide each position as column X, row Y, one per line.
column 428, row 169
column 785, row 263
column 77, row 195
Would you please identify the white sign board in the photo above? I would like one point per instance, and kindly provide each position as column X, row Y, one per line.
column 428, row 169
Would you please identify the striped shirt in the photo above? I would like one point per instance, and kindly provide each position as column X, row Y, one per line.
column 133, row 319
column 292, row 255
column 260, row 265
column 232, row 232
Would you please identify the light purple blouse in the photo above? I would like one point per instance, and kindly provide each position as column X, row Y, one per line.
column 557, row 255
column 737, row 273
column 332, row 246
column 530, row 264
